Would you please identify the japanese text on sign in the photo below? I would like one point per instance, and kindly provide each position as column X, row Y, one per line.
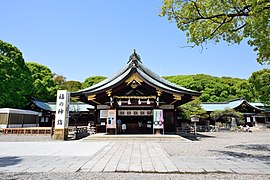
column 62, row 109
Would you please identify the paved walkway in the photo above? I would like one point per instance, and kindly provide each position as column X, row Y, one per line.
column 46, row 156
column 131, row 157
column 114, row 156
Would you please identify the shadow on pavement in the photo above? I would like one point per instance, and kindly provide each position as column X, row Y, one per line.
column 9, row 161
column 253, row 147
column 194, row 137
column 248, row 152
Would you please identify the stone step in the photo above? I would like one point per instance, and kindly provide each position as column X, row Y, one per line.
column 139, row 137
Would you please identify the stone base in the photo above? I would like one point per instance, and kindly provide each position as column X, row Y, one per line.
column 111, row 131
column 157, row 131
column 60, row 134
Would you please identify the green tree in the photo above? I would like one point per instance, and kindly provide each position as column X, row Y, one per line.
column 44, row 85
column 215, row 89
column 16, row 83
column 71, row 86
column 230, row 21
column 227, row 115
column 260, row 81
column 59, row 79
column 192, row 108
column 92, row 80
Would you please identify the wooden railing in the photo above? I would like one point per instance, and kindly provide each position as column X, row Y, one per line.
column 81, row 131
column 32, row 130
column 46, row 130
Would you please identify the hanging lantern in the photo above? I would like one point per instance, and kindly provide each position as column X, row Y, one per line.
column 129, row 102
column 157, row 101
column 148, row 101
column 111, row 101
column 119, row 102
column 139, row 102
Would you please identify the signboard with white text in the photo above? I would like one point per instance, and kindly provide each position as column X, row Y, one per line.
column 62, row 109
column 158, row 122
column 111, row 118
column 103, row 114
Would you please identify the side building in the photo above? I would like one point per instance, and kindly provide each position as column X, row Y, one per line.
column 18, row 118
column 253, row 112
column 80, row 113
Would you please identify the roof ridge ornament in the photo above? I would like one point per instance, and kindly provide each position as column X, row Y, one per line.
column 134, row 58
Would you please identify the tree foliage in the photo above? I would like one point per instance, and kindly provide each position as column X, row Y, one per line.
column 215, row 89
column 230, row 21
column 260, row 81
column 16, row 83
column 59, row 79
column 71, row 86
column 227, row 115
column 192, row 108
column 92, row 80
column 44, row 85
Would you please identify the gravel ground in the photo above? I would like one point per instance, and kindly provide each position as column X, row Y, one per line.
column 224, row 144
column 25, row 138
column 128, row 176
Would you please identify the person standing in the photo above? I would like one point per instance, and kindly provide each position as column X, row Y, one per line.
column 140, row 126
column 119, row 125
column 124, row 128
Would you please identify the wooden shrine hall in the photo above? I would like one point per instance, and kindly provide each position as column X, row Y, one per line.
column 140, row 98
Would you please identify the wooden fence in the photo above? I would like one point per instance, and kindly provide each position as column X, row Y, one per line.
column 32, row 130
column 42, row 130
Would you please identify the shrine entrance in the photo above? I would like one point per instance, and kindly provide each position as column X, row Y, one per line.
column 132, row 124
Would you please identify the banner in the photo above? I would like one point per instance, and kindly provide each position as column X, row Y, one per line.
column 103, row 114
column 135, row 113
column 62, row 109
column 111, row 118
column 158, row 122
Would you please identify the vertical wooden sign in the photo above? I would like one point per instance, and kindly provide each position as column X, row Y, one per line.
column 62, row 115
column 111, row 119
column 158, row 122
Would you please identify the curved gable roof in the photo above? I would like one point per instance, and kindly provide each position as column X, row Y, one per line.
column 164, row 82
column 135, row 63
column 212, row 106
column 104, row 82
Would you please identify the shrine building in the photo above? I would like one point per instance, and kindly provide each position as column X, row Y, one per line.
column 133, row 95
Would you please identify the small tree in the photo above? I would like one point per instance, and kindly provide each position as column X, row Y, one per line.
column 59, row 79
column 227, row 115
column 76, row 114
column 193, row 108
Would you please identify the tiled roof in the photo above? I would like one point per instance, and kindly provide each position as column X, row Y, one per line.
column 146, row 73
column 18, row 111
column 161, row 80
column 42, row 105
column 212, row 106
column 105, row 81
column 51, row 106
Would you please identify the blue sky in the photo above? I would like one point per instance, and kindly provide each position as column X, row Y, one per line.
column 83, row 38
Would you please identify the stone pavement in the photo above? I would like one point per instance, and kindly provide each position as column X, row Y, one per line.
column 46, row 156
column 220, row 165
column 131, row 157
column 114, row 156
